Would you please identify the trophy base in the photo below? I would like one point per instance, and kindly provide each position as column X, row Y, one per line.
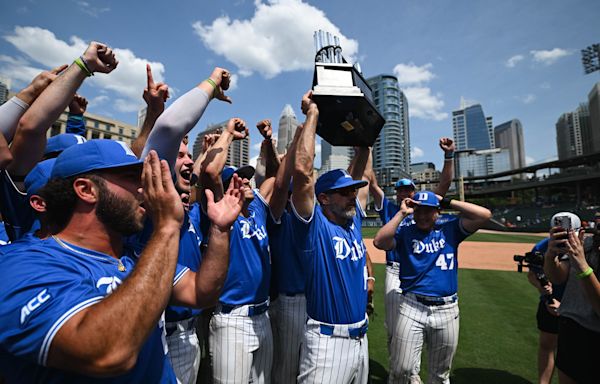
column 347, row 116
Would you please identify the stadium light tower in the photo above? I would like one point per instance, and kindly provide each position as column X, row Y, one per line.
column 590, row 58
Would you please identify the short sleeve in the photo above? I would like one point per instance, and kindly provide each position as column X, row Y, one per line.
column 36, row 305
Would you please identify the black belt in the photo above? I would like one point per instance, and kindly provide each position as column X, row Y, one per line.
column 436, row 301
column 253, row 309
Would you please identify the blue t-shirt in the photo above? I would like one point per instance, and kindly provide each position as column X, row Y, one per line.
column 557, row 289
column 249, row 272
column 14, row 205
column 45, row 283
column 334, row 259
column 429, row 260
column 3, row 235
column 288, row 272
column 191, row 237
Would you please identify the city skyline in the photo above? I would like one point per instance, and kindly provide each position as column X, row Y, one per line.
column 517, row 59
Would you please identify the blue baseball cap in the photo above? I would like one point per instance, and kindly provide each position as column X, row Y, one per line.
column 63, row 141
column 38, row 176
column 93, row 155
column 427, row 198
column 405, row 183
column 336, row 179
column 245, row 172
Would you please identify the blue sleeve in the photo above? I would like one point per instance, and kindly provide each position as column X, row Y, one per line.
column 76, row 124
column 36, row 305
column 387, row 211
column 302, row 228
column 454, row 227
column 541, row 246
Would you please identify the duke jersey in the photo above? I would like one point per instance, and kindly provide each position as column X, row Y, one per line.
column 334, row 259
column 288, row 272
column 15, row 209
column 191, row 237
column 3, row 235
column 45, row 283
column 429, row 260
column 249, row 272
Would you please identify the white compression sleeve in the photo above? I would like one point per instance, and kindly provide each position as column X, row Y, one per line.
column 10, row 114
column 174, row 123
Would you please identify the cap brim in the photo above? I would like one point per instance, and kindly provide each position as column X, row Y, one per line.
column 350, row 183
column 245, row 172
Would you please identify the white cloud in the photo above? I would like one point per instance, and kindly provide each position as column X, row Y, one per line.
column 416, row 152
column 526, row 99
column 545, row 85
column 89, row 9
column 529, row 160
column 548, row 57
column 99, row 100
column 253, row 161
column 127, row 81
column 512, row 62
column 409, row 74
column 233, row 82
column 277, row 38
column 422, row 102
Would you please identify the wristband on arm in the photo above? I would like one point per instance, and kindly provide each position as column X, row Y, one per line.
column 445, row 202
column 585, row 273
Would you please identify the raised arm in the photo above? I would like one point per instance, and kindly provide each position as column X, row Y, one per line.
column 268, row 152
column 30, row 139
column 155, row 95
column 374, row 188
column 472, row 216
column 357, row 168
column 216, row 157
column 447, row 145
column 303, row 186
column 15, row 107
column 105, row 339
column 75, row 119
column 384, row 239
column 185, row 112
column 584, row 273
column 284, row 177
column 202, row 289
column 5, row 155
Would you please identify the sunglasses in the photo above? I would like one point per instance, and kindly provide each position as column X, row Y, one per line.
column 343, row 191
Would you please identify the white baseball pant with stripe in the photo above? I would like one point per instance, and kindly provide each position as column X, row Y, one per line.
column 391, row 299
column 437, row 327
column 333, row 359
column 288, row 317
column 184, row 350
column 241, row 347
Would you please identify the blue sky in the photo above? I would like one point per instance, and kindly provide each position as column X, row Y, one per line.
column 518, row 59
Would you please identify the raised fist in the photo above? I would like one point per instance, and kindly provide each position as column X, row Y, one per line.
column 237, row 128
column 308, row 103
column 447, row 144
column 99, row 57
column 222, row 79
column 265, row 128
column 78, row 105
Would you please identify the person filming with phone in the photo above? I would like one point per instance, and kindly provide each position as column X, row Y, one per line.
column 574, row 262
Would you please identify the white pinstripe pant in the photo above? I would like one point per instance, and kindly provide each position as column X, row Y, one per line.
column 392, row 299
column 333, row 359
column 288, row 317
column 184, row 351
column 437, row 327
column 241, row 348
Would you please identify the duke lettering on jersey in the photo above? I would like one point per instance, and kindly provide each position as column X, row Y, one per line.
column 334, row 261
column 428, row 260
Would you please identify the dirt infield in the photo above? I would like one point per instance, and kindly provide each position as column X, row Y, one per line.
column 474, row 254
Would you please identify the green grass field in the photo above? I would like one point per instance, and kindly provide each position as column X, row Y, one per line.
column 498, row 333
column 369, row 233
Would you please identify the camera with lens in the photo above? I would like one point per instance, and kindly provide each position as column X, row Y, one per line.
column 530, row 258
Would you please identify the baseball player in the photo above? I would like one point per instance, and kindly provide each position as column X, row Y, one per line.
column 387, row 210
column 241, row 342
column 428, row 254
column 94, row 309
column 334, row 348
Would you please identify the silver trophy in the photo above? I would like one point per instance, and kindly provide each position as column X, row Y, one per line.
column 347, row 114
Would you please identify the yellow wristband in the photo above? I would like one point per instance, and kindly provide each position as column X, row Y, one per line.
column 212, row 82
column 83, row 67
column 585, row 273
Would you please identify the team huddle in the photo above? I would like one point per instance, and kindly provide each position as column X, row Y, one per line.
column 116, row 251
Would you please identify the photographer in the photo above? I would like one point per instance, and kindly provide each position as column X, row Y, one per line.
column 579, row 324
column 550, row 297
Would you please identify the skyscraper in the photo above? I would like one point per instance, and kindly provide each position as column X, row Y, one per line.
column 287, row 128
column 594, row 122
column 472, row 129
column 510, row 135
column 571, row 129
column 334, row 157
column 391, row 152
column 4, row 88
column 239, row 150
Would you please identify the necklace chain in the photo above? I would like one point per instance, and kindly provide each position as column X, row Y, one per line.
column 117, row 262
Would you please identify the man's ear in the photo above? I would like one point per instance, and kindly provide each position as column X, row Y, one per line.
column 37, row 203
column 323, row 198
column 86, row 190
